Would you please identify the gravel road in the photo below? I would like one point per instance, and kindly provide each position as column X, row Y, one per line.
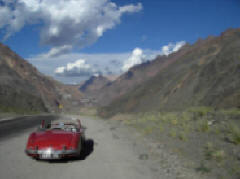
column 113, row 152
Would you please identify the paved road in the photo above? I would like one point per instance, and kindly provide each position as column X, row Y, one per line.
column 109, row 156
column 11, row 128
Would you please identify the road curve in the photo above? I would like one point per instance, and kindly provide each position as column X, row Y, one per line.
column 110, row 156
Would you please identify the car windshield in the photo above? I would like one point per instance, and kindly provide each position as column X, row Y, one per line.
column 63, row 126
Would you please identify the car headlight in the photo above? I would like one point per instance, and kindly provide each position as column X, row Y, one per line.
column 48, row 151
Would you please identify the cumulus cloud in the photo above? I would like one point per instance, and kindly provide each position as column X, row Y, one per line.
column 64, row 22
column 78, row 68
column 98, row 63
column 172, row 47
column 108, row 63
column 137, row 57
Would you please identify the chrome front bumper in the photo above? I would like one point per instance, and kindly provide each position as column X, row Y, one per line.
column 52, row 152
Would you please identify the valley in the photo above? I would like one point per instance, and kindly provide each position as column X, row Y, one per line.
column 184, row 106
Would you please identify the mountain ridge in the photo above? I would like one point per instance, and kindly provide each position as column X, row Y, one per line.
column 24, row 89
column 206, row 73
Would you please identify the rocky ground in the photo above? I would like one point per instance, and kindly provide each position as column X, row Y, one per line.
column 204, row 143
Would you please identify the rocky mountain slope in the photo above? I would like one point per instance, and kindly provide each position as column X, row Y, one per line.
column 105, row 90
column 206, row 73
column 24, row 89
column 94, row 84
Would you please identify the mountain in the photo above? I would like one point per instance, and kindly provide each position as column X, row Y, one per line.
column 206, row 73
column 94, row 84
column 24, row 89
column 136, row 76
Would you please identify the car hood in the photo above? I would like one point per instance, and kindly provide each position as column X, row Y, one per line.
column 53, row 138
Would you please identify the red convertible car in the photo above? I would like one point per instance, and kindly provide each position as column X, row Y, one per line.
column 56, row 140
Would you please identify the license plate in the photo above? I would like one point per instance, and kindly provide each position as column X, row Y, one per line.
column 45, row 156
column 55, row 156
column 49, row 156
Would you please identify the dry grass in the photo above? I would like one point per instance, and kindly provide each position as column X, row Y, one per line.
column 203, row 168
column 182, row 136
column 173, row 133
column 202, row 125
column 87, row 111
column 183, row 130
column 233, row 133
column 123, row 117
column 212, row 153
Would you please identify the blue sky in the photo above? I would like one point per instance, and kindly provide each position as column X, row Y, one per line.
column 145, row 24
column 163, row 21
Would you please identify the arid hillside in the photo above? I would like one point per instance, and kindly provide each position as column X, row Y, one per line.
column 24, row 89
column 94, row 84
column 206, row 73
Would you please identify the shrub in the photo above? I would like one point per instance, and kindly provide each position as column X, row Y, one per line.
column 200, row 111
column 203, row 169
column 161, row 128
column 203, row 126
column 173, row 133
column 185, row 116
column 186, row 127
column 148, row 130
column 212, row 152
column 182, row 136
column 218, row 155
column 216, row 130
column 233, row 133
column 231, row 112
column 174, row 122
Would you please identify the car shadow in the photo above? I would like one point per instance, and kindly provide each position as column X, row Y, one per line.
column 88, row 148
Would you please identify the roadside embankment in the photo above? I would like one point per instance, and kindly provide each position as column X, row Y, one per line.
column 207, row 141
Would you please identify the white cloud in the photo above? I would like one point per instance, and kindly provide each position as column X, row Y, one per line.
column 60, row 70
column 139, row 56
column 136, row 58
column 172, row 47
column 131, row 8
column 78, row 68
column 56, row 51
column 108, row 63
column 100, row 63
column 64, row 22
